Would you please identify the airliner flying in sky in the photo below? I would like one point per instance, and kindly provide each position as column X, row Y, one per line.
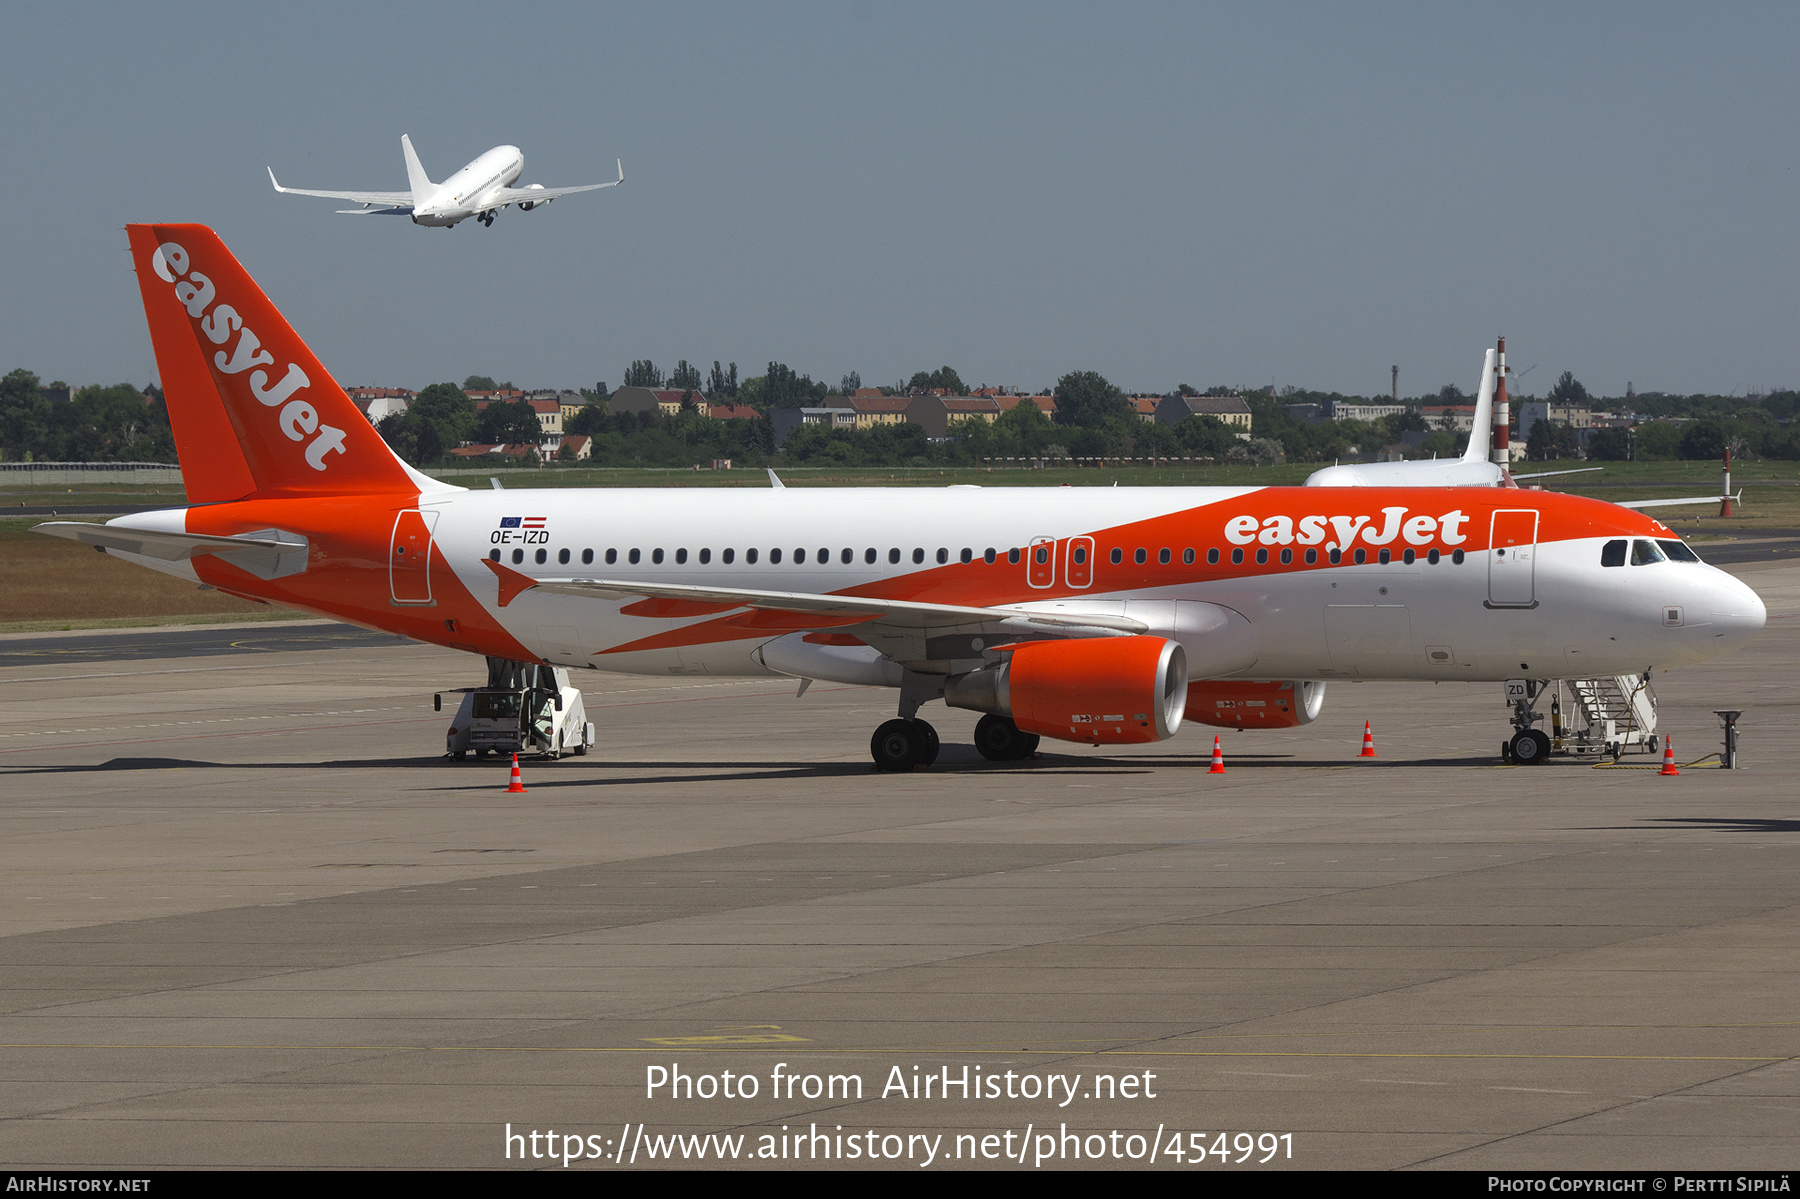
column 480, row 190
column 1100, row 616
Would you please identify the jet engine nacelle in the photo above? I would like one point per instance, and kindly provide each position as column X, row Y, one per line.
column 1255, row 705
column 528, row 205
column 1099, row 690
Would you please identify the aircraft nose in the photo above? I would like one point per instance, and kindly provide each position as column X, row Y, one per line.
column 1738, row 613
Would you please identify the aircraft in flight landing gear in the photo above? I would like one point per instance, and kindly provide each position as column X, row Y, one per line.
column 481, row 190
column 1100, row 616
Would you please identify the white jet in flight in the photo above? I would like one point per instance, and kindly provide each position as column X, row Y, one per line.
column 479, row 190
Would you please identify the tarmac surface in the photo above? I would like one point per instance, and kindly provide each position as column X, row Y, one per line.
column 249, row 917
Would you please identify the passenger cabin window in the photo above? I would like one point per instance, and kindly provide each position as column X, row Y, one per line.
column 1262, row 557
column 894, row 556
column 989, row 556
column 1080, row 554
column 633, row 557
column 774, row 557
column 1456, row 558
column 750, row 557
column 849, row 555
column 1312, row 557
column 1187, row 557
column 1613, row 553
column 656, row 556
column 562, row 556
column 943, row 555
column 1139, row 557
column 518, row 557
column 918, row 556
column 1287, row 556
column 705, row 557
column 1643, row 553
column 1012, row 556
column 1679, row 551
column 681, row 557
column 968, row 555
column 726, row 556
column 1432, row 557
column 1212, row 556
column 494, row 554
column 587, row 557
column 1118, row 556
column 1237, row 557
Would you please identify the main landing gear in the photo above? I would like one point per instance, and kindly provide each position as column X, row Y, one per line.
column 1000, row 740
column 902, row 744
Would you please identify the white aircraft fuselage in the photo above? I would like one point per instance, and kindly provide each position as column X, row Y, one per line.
column 471, row 190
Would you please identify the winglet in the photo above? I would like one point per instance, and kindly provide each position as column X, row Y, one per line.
column 775, row 482
column 278, row 186
column 416, row 178
column 621, row 172
column 512, row 582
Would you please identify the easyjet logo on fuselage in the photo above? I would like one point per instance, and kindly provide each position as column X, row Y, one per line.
column 1313, row 530
column 298, row 420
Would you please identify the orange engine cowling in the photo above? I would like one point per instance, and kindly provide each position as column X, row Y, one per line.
column 1099, row 690
column 1258, row 705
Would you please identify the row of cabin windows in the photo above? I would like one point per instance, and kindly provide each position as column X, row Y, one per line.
column 823, row 555
column 1358, row 556
column 1040, row 554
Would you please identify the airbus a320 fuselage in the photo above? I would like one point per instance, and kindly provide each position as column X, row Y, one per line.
column 1094, row 615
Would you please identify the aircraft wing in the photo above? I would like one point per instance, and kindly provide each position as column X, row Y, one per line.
column 901, row 613
column 386, row 199
column 1697, row 499
column 534, row 195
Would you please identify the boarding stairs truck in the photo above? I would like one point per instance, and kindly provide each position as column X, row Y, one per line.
column 1609, row 715
column 525, row 708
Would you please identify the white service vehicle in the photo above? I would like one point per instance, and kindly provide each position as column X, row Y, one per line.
column 525, row 708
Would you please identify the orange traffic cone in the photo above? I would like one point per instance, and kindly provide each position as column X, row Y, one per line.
column 1368, row 749
column 1218, row 766
column 1668, row 757
column 518, row 781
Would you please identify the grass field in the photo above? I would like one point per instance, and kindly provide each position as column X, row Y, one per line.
column 56, row 584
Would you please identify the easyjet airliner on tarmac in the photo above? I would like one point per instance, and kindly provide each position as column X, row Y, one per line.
column 1095, row 615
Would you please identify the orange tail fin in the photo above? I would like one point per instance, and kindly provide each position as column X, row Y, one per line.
column 254, row 413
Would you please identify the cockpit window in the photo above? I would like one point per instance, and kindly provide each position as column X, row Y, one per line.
column 1645, row 552
column 1679, row 551
column 1613, row 554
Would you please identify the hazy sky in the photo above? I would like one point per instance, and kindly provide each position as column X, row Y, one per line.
column 1302, row 194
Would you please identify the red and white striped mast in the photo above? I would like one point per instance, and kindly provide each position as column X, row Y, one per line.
column 1502, row 422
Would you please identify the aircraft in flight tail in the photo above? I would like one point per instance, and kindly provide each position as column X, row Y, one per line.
column 1099, row 616
column 482, row 189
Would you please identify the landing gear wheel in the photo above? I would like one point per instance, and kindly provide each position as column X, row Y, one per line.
column 459, row 755
column 1000, row 740
column 1531, row 747
column 928, row 743
column 896, row 745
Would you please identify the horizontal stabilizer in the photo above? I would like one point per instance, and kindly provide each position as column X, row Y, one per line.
column 267, row 553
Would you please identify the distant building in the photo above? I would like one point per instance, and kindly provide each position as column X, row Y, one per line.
column 1576, row 416
column 378, row 403
column 935, row 413
column 732, row 412
column 1364, row 412
column 1232, row 410
column 645, row 399
column 786, row 420
column 1461, row 417
column 579, row 446
column 1145, row 407
column 1044, row 404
